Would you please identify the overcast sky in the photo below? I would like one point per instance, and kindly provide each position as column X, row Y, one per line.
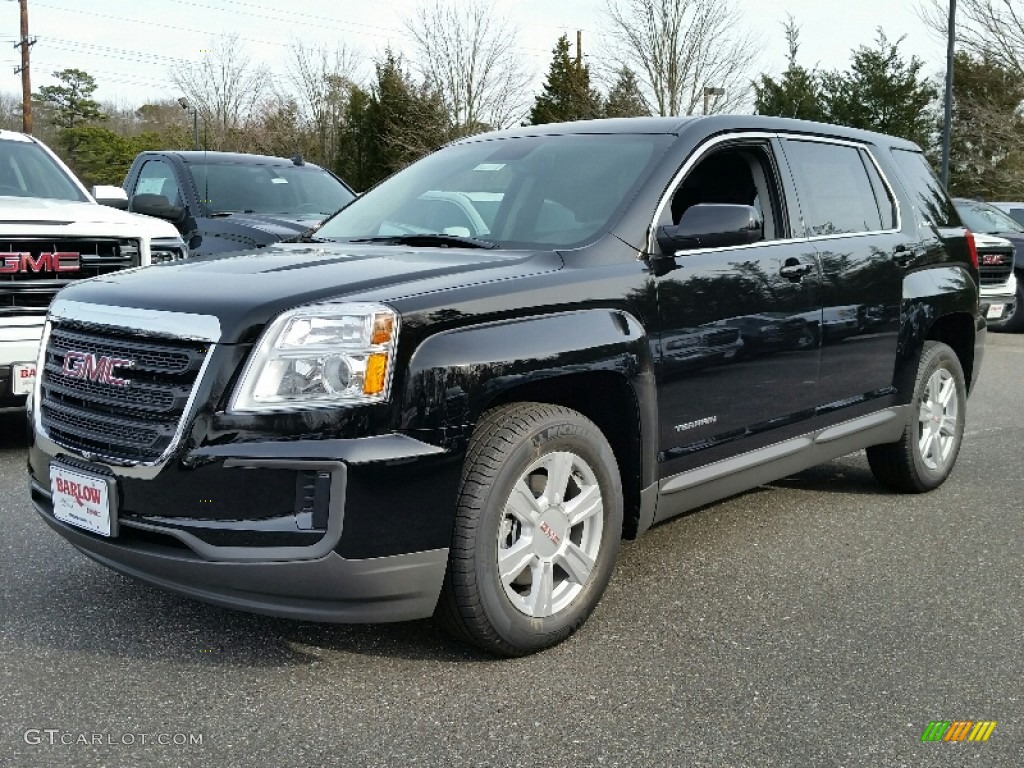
column 129, row 46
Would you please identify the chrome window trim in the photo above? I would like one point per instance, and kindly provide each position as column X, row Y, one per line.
column 874, row 160
column 703, row 151
column 666, row 196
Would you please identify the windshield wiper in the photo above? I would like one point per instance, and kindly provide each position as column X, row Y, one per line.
column 428, row 239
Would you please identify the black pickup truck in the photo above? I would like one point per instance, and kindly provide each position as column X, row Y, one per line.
column 455, row 400
column 231, row 201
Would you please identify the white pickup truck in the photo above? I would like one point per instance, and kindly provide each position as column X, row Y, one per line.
column 53, row 233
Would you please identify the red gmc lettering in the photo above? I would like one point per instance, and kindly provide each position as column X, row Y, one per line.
column 58, row 261
column 80, row 493
column 86, row 365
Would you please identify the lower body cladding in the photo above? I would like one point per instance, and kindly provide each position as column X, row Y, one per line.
column 333, row 530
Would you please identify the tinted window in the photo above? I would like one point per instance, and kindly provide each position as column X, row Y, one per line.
column 283, row 189
column 27, row 170
column 883, row 198
column 930, row 199
column 981, row 217
column 529, row 191
column 836, row 195
column 157, row 178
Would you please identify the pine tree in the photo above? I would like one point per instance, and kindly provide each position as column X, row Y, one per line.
column 797, row 93
column 567, row 93
column 70, row 106
column 881, row 92
column 625, row 98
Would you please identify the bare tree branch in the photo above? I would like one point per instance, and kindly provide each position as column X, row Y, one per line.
column 226, row 87
column 469, row 55
column 992, row 27
column 681, row 47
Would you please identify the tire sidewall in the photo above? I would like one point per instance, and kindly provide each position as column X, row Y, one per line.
column 557, row 433
column 936, row 357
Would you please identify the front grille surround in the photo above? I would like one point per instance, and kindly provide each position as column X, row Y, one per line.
column 136, row 425
column 994, row 275
column 31, row 292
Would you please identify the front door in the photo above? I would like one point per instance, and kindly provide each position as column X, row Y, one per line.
column 740, row 332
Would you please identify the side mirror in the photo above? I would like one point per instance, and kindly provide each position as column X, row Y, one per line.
column 712, row 225
column 107, row 194
column 157, row 205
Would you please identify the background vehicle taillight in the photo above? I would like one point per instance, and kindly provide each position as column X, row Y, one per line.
column 972, row 249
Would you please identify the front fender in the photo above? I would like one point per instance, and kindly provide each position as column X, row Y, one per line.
column 455, row 375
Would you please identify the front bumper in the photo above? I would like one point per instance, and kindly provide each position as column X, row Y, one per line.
column 368, row 547
column 998, row 302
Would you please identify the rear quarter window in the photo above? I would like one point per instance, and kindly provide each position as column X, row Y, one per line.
column 930, row 200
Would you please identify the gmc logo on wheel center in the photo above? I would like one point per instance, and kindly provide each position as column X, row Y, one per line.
column 91, row 367
column 57, row 261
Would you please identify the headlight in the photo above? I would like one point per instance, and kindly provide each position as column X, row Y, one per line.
column 167, row 249
column 321, row 356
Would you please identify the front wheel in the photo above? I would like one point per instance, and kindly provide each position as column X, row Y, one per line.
column 537, row 530
column 923, row 458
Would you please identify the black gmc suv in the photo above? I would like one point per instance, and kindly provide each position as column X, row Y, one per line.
column 453, row 400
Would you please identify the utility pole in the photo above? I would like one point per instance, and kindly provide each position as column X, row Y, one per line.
column 947, row 121
column 579, row 48
column 26, row 84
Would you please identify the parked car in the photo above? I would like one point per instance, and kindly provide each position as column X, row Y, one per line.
column 228, row 201
column 1015, row 210
column 52, row 234
column 375, row 426
column 999, row 275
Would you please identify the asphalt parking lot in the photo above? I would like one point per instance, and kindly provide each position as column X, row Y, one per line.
column 817, row 621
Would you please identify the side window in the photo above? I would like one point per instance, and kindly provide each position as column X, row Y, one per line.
column 932, row 202
column 740, row 175
column 836, row 194
column 883, row 197
column 157, row 178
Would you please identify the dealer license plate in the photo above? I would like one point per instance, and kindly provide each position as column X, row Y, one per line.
column 23, row 376
column 995, row 311
column 83, row 500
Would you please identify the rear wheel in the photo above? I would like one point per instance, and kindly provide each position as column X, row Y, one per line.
column 537, row 530
column 923, row 458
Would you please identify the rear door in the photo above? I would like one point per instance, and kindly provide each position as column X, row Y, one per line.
column 851, row 217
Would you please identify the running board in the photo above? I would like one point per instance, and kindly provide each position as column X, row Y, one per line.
column 697, row 487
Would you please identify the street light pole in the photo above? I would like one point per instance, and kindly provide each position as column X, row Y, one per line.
column 709, row 91
column 186, row 104
column 947, row 123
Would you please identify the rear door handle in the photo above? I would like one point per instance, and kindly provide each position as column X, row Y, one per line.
column 902, row 255
column 795, row 271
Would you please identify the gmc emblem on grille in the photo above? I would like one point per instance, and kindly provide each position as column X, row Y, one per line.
column 58, row 261
column 86, row 365
column 992, row 259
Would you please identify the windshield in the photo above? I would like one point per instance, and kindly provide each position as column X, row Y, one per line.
column 27, row 170
column 288, row 190
column 540, row 191
column 984, row 218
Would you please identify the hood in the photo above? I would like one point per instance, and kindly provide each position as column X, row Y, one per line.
column 991, row 242
column 277, row 225
column 1016, row 239
column 245, row 290
column 30, row 216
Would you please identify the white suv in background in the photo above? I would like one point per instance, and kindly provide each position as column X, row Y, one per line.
column 53, row 233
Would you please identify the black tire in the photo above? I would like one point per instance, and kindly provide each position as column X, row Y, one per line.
column 936, row 422
column 1015, row 322
column 508, row 446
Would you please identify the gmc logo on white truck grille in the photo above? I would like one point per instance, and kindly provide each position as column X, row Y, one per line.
column 91, row 367
column 58, row 261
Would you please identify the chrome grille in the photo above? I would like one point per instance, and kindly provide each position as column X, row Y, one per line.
column 998, row 269
column 30, row 292
column 136, row 423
